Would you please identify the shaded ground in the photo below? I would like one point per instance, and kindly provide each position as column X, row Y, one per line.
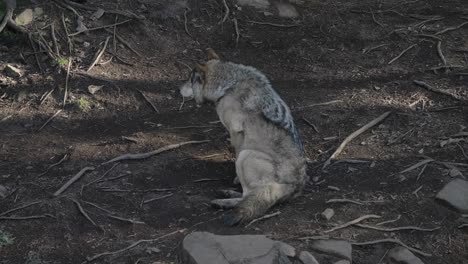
column 328, row 54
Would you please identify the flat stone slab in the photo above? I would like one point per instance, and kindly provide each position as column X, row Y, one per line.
column 338, row 248
column 401, row 255
column 455, row 194
column 207, row 248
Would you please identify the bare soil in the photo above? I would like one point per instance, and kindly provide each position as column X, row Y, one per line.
column 324, row 54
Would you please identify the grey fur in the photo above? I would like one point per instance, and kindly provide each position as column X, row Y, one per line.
column 270, row 159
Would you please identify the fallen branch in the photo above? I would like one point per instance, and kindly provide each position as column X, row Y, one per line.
column 133, row 245
column 439, row 52
column 354, row 135
column 401, row 54
column 389, row 221
column 132, row 156
column 317, row 104
column 185, row 23
column 157, row 198
column 72, row 180
column 433, row 89
column 392, row 229
column 415, row 166
column 148, row 101
column 50, row 119
column 421, row 172
column 226, row 12
column 19, row 208
column 100, row 27
column 126, row 220
column 311, row 125
column 355, row 221
column 83, row 212
column 123, row 41
column 391, row 240
column 263, row 218
column 65, row 157
column 236, row 28
column 99, row 55
column 343, row 201
column 25, row 217
column 450, row 28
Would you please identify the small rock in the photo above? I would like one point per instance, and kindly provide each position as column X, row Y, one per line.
column 3, row 191
column 401, row 255
column 152, row 250
column 338, row 248
column 328, row 213
column 307, row 258
column 12, row 71
column 38, row 11
column 255, row 3
column 454, row 172
column 455, row 194
column 98, row 14
column 286, row 10
column 92, row 89
column 24, row 17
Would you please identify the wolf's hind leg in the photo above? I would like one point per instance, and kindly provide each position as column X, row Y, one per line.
column 226, row 203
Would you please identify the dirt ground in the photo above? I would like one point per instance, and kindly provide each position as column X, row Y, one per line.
column 334, row 50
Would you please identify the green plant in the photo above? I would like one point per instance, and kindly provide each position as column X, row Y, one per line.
column 84, row 104
column 6, row 239
column 62, row 61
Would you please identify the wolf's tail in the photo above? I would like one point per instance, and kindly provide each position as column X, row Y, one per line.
column 257, row 203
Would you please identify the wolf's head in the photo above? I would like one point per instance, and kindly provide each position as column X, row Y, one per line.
column 194, row 86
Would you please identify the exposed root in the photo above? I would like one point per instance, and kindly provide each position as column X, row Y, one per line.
column 72, row 180
column 263, row 218
column 391, row 240
column 343, row 201
column 389, row 221
column 99, row 55
column 353, row 222
column 435, row 90
column 50, row 119
column 19, row 208
column 83, row 212
column 401, row 54
column 149, row 102
column 393, row 229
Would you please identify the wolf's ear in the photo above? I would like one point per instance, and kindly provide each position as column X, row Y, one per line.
column 212, row 54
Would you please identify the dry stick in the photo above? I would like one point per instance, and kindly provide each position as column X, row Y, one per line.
column 70, row 46
column 391, row 240
column 392, row 229
column 226, row 12
column 157, row 198
column 98, row 207
column 117, row 12
column 24, row 217
column 50, row 119
column 272, row 24
column 463, row 151
column 439, row 52
column 401, row 54
column 189, row 127
column 428, row 36
column 44, row 98
column 185, row 23
column 72, row 180
column 55, row 164
column 311, row 125
column 435, row 90
column 355, row 221
column 389, row 221
column 10, row 7
column 65, row 95
column 463, row 225
column 35, row 52
column 415, row 192
column 236, row 28
column 354, row 135
column 451, row 28
column 133, row 245
column 263, row 218
column 19, row 208
column 132, row 156
column 343, row 201
column 415, row 166
column 148, row 101
column 123, row 41
column 101, row 27
column 205, row 180
column 99, row 55
column 126, row 220
column 98, row 179
column 318, row 104
column 83, row 212
column 421, row 172
column 54, row 39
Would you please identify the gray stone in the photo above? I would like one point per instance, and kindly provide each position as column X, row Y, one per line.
column 307, row 258
column 3, row 191
column 286, row 10
column 24, row 17
column 342, row 262
column 338, row 248
column 92, row 89
column 401, row 255
column 254, row 3
column 328, row 213
column 455, row 194
column 12, row 71
column 206, row 248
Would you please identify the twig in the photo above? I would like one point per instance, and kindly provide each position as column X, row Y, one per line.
column 148, row 101
column 19, row 208
column 65, row 157
column 45, row 96
column 450, row 29
column 463, row 225
column 272, row 24
column 354, row 135
column 65, row 95
column 439, row 52
column 374, row 19
column 311, row 125
column 391, row 240
column 50, row 119
column 54, row 39
column 185, row 23
column 205, row 180
column 25, row 217
column 72, row 180
column 415, row 166
column 98, row 179
column 367, row 50
column 463, row 151
column 428, row 36
column 421, row 172
column 389, row 221
column 132, row 156
column 263, row 218
column 433, row 89
column 318, row 104
column 31, row 42
column 343, row 201
column 401, row 54
column 190, row 127
column 97, row 206
column 313, row 238
column 100, row 27
column 123, row 41
column 99, row 55
column 157, row 198
column 70, row 45
column 83, row 212
column 355, row 221
column 126, row 220
column 133, row 245
column 392, row 229
column 226, row 12
column 10, row 7
column 415, row 192
column 236, row 28
column 117, row 12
